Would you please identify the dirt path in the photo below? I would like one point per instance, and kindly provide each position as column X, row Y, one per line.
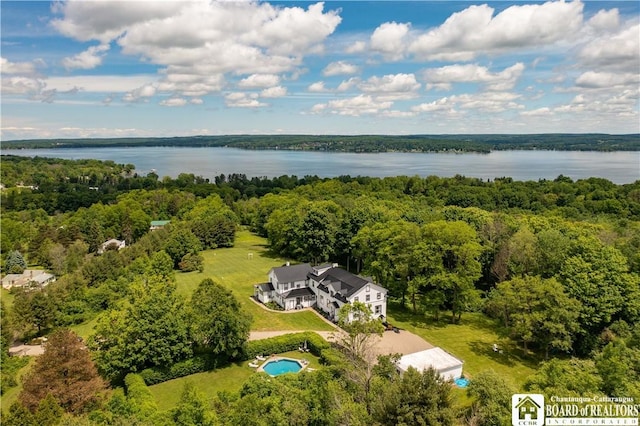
column 403, row 342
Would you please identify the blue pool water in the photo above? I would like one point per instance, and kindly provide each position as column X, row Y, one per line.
column 461, row 382
column 282, row 366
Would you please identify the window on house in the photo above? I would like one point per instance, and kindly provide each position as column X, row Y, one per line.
column 379, row 296
column 356, row 299
column 286, row 286
column 377, row 309
column 368, row 297
column 367, row 290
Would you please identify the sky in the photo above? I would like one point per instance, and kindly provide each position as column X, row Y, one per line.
column 177, row 68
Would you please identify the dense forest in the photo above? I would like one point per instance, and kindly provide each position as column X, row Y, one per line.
column 363, row 143
column 555, row 264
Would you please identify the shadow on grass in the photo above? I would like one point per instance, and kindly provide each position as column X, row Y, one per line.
column 509, row 354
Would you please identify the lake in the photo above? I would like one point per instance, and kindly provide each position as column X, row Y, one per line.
column 618, row 167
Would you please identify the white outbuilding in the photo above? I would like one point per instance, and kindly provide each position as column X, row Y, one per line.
column 448, row 366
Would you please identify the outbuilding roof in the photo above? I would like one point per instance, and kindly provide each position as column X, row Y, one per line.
column 436, row 358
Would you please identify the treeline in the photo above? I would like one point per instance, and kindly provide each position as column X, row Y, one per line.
column 363, row 143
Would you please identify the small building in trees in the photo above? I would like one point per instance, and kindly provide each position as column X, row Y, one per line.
column 445, row 364
column 325, row 287
column 112, row 244
column 158, row 224
column 30, row 277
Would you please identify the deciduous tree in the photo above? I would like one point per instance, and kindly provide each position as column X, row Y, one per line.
column 66, row 371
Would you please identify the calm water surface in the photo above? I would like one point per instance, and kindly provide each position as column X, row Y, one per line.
column 618, row 167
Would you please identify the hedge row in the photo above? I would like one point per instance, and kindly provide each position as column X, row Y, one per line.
column 285, row 343
column 196, row 364
column 206, row 362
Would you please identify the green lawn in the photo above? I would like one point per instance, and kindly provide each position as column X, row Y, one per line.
column 11, row 395
column 230, row 378
column 472, row 341
column 237, row 270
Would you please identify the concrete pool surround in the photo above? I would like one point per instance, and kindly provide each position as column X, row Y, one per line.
column 303, row 363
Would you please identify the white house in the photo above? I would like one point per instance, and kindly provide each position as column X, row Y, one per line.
column 36, row 277
column 326, row 287
column 112, row 243
column 448, row 366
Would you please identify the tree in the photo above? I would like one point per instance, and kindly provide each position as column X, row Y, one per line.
column 152, row 331
column 361, row 329
column 191, row 262
column 598, row 277
column 218, row 321
column 415, row 398
column 181, row 242
column 491, row 395
column 34, row 308
column 192, row 409
column 65, row 370
column 575, row 377
column 15, row 263
column 538, row 311
column 448, row 255
column 316, row 237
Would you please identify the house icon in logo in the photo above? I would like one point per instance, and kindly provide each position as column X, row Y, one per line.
column 527, row 410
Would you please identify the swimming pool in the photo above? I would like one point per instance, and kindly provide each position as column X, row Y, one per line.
column 281, row 366
column 461, row 382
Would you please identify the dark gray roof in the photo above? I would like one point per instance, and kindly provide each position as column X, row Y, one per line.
column 289, row 274
column 345, row 282
column 299, row 292
column 266, row 287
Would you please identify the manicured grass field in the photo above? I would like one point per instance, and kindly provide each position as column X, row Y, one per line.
column 239, row 268
column 471, row 341
column 230, row 378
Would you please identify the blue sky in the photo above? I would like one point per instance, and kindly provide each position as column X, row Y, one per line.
column 162, row 68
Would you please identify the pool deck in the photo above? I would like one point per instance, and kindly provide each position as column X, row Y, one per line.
column 275, row 358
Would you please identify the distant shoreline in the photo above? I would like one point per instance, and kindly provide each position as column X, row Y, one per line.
column 359, row 143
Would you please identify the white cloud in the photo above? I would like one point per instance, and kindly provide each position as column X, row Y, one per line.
column 614, row 51
column 317, row 87
column 101, row 83
column 243, row 100
column 196, row 101
column 355, row 106
column 540, row 112
column 348, row 84
column 255, row 81
column 174, row 102
column 605, row 20
column 90, row 58
column 356, row 47
column 388, row 39
column 274, row 92
column 391, row 86
column 442, row 78
column 493, row 102
column 20, row 85
column 607, row 80
column 7, row 67
column 439, row 105
column 475, row 30
column 201, row 39
column 140, row 93
column 339, row 68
